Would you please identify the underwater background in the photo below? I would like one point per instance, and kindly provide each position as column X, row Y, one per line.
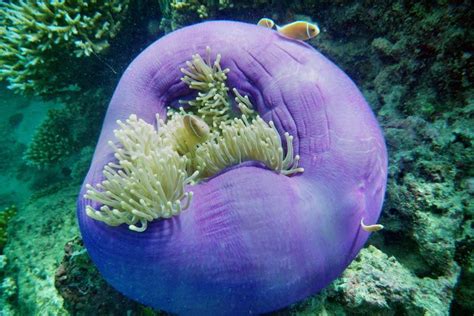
column 413, row 61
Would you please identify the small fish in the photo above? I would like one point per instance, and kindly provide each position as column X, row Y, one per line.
column 300, row 30
column 265, row 22
column 370, row 228
column 196, row 128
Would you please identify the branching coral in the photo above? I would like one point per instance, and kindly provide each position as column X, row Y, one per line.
column 38, row 36
column 191, row 6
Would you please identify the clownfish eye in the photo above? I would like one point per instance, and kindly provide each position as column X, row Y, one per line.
column 314, row 29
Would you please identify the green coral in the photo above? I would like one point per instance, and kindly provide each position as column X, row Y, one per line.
column 179, row 13
column 66, row 130
column 49, row 144
column 5, row 217
column 41, row 39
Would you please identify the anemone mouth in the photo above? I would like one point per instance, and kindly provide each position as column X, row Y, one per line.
column 204, row 138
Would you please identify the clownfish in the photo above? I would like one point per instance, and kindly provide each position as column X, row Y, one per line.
column 265, row 22
column 300, row 30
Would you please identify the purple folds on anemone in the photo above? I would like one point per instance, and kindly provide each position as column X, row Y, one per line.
column 252, row 240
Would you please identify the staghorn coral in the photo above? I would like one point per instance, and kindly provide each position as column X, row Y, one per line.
column 40, row 37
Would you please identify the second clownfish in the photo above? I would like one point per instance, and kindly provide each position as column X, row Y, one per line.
column 300, row 30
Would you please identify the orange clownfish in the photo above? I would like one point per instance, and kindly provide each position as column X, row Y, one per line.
column 300, row 30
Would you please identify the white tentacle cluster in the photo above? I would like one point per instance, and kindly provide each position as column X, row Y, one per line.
column 146, row 183
column 244, row 141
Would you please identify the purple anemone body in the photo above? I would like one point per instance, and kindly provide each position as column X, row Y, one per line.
column 252, row 240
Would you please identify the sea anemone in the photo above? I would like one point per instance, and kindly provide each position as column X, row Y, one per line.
column 152, row 167
column 262, row 230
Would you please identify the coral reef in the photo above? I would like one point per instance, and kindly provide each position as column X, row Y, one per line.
column 5, row 216
column 34, row 251
column 40, row 38
column 179, row 13
column 83, row 289
column 377, row 284
column 8, row 289
column 66, row 130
